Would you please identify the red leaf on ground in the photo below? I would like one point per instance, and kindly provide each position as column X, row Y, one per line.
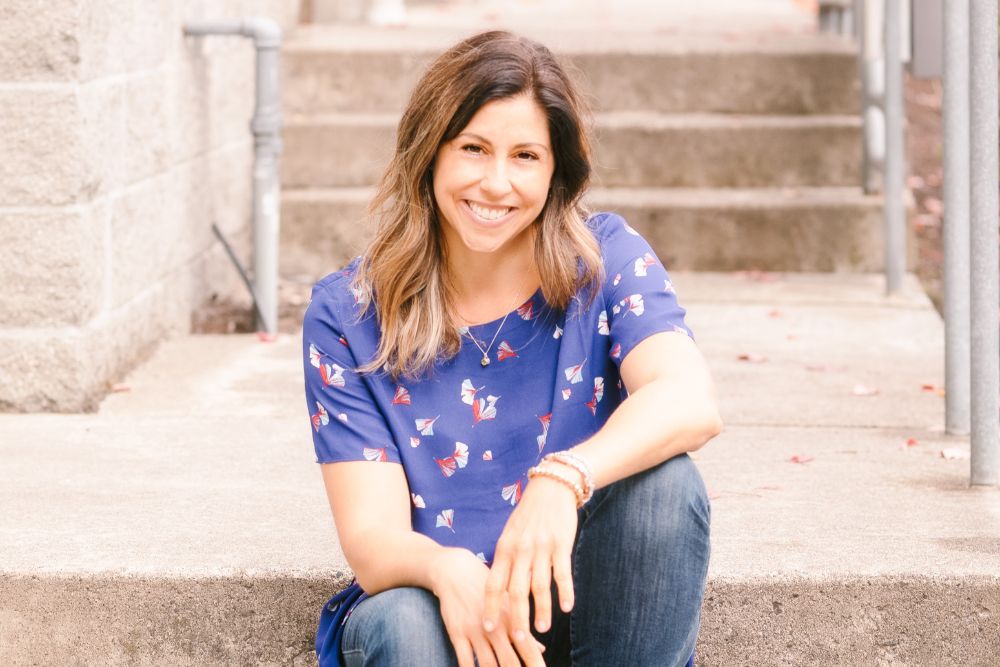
column 800, row 459
column 911, row 442
column 120, row 387
column 753, row 358
column 265, row 337
column 775, row 313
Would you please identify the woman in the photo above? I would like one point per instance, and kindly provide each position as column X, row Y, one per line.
column 490, row 328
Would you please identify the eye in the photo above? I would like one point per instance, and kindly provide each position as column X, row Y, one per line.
column 473, row 149
column 525, row 155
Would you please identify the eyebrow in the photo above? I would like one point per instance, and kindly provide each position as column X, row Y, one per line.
column 484, row 140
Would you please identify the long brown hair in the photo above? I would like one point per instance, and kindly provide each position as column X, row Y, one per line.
column 403, row 273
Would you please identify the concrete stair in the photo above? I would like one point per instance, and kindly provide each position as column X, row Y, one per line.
column 185, row 522
column 728, row 153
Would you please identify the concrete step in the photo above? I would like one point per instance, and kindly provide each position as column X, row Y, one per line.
column 336, row 69
column 634, row 149
column 810, row 229
column 185, row 522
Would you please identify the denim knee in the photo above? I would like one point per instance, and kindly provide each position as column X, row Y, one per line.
column 670, row 497
column 396, row 627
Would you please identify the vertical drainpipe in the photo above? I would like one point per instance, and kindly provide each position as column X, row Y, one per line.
column 266, row 128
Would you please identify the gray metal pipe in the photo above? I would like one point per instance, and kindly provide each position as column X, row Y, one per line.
column 895, row 215
column 985, row 172
column 955, row 79
column 266, row 128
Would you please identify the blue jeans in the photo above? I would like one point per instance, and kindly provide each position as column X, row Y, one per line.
column 639, row 567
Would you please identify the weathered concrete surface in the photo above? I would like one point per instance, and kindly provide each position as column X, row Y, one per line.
column 185, row 522
column 700, row 229
column 632, row 149
column 334, row 69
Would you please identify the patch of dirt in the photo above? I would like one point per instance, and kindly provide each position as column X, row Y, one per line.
column 219, row 317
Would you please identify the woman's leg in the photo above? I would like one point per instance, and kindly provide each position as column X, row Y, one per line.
column 639, row 568
column 399, row 627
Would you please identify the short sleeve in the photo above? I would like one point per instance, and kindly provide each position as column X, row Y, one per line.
column 639, row 295
column 347, row 424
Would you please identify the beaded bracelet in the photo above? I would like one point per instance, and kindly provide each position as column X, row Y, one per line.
column 540, row 471
column 578, row 464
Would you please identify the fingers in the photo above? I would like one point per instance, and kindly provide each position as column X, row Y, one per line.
column 562, row 573
column 505, row 653
column 519, row 588
column 541, row 591
column 530, row 651
column 484, row 652
column 463, row 652
column 496, row 586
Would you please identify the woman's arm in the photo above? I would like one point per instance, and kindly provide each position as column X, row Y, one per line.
column 371, row 508
column 670, row 410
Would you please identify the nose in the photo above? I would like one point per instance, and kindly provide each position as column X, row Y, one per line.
column 496, row 182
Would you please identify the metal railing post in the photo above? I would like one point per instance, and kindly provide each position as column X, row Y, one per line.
column 955, row 80
column 266, row 128
column 895, row 215
column 985, row 172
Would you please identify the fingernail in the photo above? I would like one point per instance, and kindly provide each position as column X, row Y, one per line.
column 519, row 636
column 543, row 626
column 488, row 626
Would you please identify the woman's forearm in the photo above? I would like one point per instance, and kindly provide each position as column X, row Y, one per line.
column 391, row 559
column 659, row 421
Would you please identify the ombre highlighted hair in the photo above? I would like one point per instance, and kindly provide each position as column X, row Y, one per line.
column 403, row 273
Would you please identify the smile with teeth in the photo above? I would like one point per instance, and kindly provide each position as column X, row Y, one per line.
column 487, row 213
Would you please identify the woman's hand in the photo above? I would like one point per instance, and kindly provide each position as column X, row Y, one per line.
column 459, row 580
column 534, row 548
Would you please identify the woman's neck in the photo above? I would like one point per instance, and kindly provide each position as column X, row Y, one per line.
column 485, row 288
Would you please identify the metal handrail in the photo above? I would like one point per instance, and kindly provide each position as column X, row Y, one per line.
column 971, row 175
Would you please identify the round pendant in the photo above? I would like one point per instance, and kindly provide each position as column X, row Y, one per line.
column 485, row 361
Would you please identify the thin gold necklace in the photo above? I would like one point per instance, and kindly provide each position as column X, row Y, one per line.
column 485, row 361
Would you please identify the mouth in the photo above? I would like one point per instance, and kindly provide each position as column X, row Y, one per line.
column 488, row 215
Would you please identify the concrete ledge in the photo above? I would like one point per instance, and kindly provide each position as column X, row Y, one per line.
column 185, row 521
column 632, row 150
column 774, row 229
column 854, row 621
column 360, row 68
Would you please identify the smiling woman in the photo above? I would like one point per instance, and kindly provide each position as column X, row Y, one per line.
column 503, row 391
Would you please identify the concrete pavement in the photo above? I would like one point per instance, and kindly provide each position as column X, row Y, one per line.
column 185, row 522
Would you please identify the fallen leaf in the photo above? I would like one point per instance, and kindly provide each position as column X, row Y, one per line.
column 775, row 313
column 928, row 387
column 265, row 337
column 800, row 459
column 862, row 390
column 120, row 387
column 712, row 495
column 954, row 453
column 792, row 337
column 753, row 358
column 911, row 442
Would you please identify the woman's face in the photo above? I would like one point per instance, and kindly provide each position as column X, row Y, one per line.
column 492, row 180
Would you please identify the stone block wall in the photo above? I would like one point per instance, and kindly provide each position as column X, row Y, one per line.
column 121, row 142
